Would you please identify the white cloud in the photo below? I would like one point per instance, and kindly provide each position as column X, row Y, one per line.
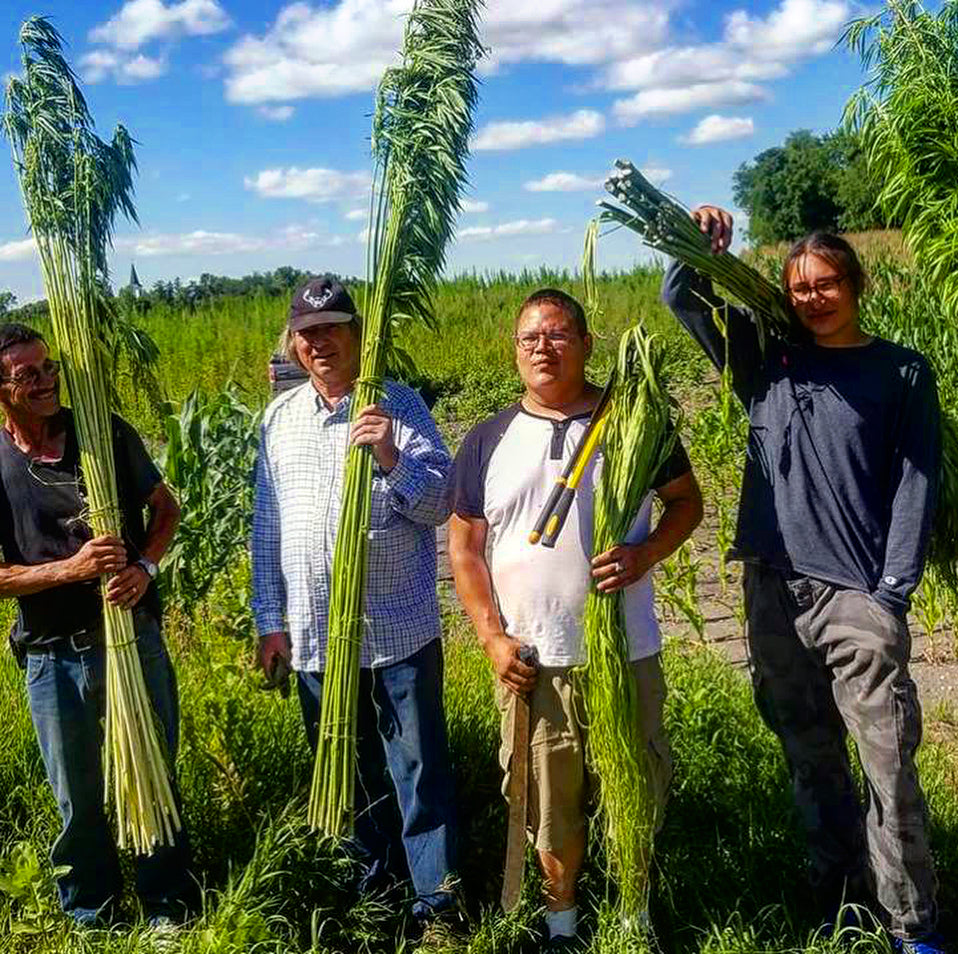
column 717, row 128
column 124, row 68
column 17, row 251
column 356, row 215
column 315, row 49
column 573, row 182
column 794, row 30
column 675, row 67
column 664, row 102
column 582, row 124
column 573, row 32
column 471, row 206
column 564, row 182
column 752, row 50
column 278, row 114
column 202, row 242
column 140, row 21
column 508, row 230
column 323, row 51
column 314, row 185
column 656, row 174
column 328, row 50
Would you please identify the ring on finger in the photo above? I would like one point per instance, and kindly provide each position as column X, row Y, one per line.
column 618, row 567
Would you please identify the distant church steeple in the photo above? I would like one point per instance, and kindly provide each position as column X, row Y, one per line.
column 135, row 285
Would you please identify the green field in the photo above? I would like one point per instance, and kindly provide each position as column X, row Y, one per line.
column 729, row 872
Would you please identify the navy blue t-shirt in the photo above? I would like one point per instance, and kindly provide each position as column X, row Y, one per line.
column 844, row 447
column 43, row 518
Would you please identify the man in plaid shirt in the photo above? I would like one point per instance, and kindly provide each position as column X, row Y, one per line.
column 305, row 436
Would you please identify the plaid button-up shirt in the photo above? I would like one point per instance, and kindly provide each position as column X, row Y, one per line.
column 299, row 482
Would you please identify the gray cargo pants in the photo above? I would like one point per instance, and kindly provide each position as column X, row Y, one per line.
column 826, row 661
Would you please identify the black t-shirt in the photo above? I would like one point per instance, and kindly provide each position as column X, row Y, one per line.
column 42, row 519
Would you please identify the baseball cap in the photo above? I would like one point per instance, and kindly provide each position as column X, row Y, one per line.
column 320, row 301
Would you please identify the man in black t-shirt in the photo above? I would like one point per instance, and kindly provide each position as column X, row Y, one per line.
column 52, row 564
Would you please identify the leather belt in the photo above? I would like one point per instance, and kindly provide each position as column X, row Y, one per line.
column 78, row 642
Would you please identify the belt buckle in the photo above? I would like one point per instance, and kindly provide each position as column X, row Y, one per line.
column 81, row 641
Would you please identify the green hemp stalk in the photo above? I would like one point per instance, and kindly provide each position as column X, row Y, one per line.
column 639, row 435
column 421, row 128
column 73, row 185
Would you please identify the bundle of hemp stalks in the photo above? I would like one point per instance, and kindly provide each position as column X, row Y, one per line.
column 639, row 436
column 73, row 185
column 667, row 227
column 421, row 128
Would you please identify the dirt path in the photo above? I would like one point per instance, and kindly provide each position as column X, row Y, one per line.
column 933, row 666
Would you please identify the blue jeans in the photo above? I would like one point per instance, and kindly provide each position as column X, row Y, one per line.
column 402, row 730
column 67, row 693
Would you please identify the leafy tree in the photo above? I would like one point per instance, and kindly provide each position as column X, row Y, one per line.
column 8, row 301
column 811, row 182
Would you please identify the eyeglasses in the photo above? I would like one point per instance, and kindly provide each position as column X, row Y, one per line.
column 30, row 377
column 826, row 287
column 555, row 339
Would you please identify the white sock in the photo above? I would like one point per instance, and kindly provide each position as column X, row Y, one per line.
column 561, row 923
column 639, row 921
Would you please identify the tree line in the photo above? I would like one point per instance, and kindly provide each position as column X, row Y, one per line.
column 176, row 294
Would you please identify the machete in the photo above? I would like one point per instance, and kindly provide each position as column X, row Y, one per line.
column 518, row 794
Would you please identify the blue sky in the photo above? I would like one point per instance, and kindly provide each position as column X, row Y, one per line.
column 253, row 119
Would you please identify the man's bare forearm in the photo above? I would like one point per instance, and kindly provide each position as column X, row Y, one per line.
column 20, row 580
column 680, row 516
column 474, row 586
column 164, row 519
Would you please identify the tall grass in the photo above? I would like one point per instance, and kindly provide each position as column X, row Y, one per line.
column 729, row 862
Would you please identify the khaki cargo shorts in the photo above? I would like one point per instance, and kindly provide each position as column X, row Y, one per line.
column 559, row 780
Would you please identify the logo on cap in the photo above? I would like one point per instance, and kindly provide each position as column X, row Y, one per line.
column 317, row 301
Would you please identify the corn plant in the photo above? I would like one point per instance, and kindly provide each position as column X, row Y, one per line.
column 677, row 587
column 209, row 455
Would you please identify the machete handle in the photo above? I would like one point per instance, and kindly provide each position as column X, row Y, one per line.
column 529, row 655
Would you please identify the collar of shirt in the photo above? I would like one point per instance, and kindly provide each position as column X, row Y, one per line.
column 325, row 412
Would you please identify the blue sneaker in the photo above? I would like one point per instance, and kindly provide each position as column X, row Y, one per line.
column 930, row 944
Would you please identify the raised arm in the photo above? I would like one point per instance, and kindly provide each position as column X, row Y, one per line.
column 708, row 317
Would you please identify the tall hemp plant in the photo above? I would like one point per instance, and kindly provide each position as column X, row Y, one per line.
column 906, row 113
column 420, row 142
column 907, row 116
column 639, row 435
column 74, row 184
